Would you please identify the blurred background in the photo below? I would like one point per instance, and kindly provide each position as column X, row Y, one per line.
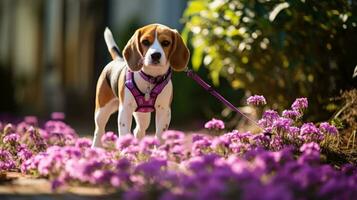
column 52, row 52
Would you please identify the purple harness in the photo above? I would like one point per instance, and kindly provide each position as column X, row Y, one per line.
column 146, row 105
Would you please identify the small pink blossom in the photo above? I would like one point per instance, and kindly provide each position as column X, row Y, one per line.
column 215, row 124
column 11, row 138
column 300, row 104
column 327, row 128
column 58, row 116
column 256, row 100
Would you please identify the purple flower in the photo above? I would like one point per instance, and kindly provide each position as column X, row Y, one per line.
column 199, row 147
column 276, row 143
column 59, row 133
column 231, row 165
column 220, row 142
column 60, row 116
column 6, row 160
column 214, row 124
column 32, row 163
column 83, row 143
column 177, row 150
column 269, row 116
column 115, row 181
column 329, row 129
column 101, row 176
column 126, row 141
column 310, row 153
column 108, row 140
column 173, row 135
column 349, row 169
column 151, row 168
column 293, row 132
column 50, row 164
column 309, row 132
column 196, row 137
column 261, row 139
column 109, row 137
column 292, row 114
column 203, row 163
column 55, row 184
column 122, row 165
column 147, row 143
column 282, row 124
column 31, row 120
column 11, row 138
column 309, row 148
column 256, row 100
column 300, row 104
column 83, row 168
column 24, row 153
column 159, row 154
column 238, row 147
column 234, row 135
column 134, row 195
column 22, row 128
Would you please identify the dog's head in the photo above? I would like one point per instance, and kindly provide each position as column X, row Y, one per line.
column 154, row 48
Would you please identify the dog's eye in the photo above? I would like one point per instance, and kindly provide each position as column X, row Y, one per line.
column 146, row 42
column 165, row 43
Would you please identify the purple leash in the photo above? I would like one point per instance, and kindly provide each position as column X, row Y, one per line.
column 213, row 92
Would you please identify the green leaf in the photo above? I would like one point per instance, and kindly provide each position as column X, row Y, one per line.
column 184, row 34
column 197, row 57
column 194, row 7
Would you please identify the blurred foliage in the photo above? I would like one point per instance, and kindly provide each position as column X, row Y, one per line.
column 346, row 117
column 280, row 49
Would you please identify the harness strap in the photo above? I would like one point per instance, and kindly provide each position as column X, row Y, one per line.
column 143, row 104
column 155, row 80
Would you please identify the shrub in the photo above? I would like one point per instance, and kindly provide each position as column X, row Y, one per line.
column 281, row 49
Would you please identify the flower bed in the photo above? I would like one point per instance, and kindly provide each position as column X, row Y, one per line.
column 283, row 161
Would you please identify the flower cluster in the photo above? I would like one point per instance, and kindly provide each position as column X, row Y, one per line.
column 256, row 100
column 300, row 104
column 215, row 124
column 19, row 143
column 282, row 162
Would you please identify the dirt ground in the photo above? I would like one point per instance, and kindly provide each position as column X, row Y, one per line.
column 20, row 187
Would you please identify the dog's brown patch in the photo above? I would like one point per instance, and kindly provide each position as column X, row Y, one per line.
column 121, row 86
column 103, row 92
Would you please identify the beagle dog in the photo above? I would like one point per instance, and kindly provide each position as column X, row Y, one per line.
column 139, row 82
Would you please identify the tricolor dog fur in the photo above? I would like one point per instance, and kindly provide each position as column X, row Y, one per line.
column 139, row 82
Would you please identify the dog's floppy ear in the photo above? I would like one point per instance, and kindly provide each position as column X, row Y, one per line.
column 132, row 54
column 180, row 54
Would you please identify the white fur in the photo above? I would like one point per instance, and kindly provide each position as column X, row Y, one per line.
column 158, row 69
column 163, row 110
column 109, row 39
column 101, row 118
column 142, row 123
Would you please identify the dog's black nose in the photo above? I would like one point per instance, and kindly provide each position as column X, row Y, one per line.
column 156, row 56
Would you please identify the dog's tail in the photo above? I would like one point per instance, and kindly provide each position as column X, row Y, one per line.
column 112, row 46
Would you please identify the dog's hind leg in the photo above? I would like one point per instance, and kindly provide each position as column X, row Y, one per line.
column 101, row 118
column 106, row 103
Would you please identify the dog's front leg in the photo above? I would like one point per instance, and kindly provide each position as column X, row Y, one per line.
column 162, row 120
column 125, row 114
